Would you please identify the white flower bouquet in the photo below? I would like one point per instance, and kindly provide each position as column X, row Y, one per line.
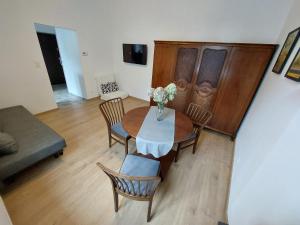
column 162, row 96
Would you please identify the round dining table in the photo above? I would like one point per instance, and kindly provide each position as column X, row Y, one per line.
column 133, row 120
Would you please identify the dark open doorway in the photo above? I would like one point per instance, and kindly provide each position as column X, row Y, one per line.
column 62, row 77
column 52, row 58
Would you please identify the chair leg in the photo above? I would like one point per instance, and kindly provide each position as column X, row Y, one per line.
column 109, row 139
column 177, row 152
column 149, row 210
column 126, row 147
column 161, row 176
column 194, row 147
column 116, row 200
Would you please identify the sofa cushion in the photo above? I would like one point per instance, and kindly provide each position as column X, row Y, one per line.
column 102, row 80
column 8, row 144
column 106, row 88
column 35, row 140
column 109, row 87
column 116, row 94
column 114, row 86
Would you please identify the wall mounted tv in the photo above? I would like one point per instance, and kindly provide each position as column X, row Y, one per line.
column 135, row 53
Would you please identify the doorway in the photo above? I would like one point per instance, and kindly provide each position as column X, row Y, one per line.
column 63, row 77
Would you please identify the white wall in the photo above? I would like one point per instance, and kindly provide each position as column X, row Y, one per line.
column 103, row 25
column 137, row 21
column 23, row 75
column 4, row 217
column 68, row 45
column 265, row 181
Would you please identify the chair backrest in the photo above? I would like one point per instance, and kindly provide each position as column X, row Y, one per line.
column 199, row 116
column 112, row 110
column 130, row 186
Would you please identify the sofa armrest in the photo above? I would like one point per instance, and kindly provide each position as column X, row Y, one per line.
column 116, row 94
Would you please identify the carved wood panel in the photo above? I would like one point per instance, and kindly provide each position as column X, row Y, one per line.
column 185, row 66
column 211, row 66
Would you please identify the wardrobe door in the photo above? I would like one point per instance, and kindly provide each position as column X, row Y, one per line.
column 184, row 72
column 246, row 67
column 212, row 62
column 163, row 64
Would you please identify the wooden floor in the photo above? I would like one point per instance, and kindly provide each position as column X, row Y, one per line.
column 73, row 190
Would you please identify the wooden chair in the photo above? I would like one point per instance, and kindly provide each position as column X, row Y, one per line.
column 200, row 117
column 113, row 112
column 138, row 179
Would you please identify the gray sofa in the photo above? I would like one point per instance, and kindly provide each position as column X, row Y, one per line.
column 35, row 140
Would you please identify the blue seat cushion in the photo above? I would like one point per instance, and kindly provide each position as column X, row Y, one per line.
column 118, row 128
column 139, row 166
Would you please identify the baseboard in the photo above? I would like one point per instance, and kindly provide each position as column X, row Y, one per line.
column 93, row 98
column 41, row 113
column 140, row 99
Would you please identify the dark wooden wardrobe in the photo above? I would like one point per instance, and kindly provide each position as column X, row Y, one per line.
column 222, row 77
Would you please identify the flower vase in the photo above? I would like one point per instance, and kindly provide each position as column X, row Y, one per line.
column 160, row 111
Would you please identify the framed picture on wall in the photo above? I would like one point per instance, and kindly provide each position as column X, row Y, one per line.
column 286, row 50
column 294, row 70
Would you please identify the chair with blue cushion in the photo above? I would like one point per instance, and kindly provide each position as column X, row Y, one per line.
column 200, row 118
column 113, row 112
column 137, row 179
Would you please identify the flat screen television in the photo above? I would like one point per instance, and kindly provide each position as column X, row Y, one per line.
column 135, row 53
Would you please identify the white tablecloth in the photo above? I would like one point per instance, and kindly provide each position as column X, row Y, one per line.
column 156, row 137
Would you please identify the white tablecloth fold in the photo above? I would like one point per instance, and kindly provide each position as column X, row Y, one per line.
column 156, row 137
